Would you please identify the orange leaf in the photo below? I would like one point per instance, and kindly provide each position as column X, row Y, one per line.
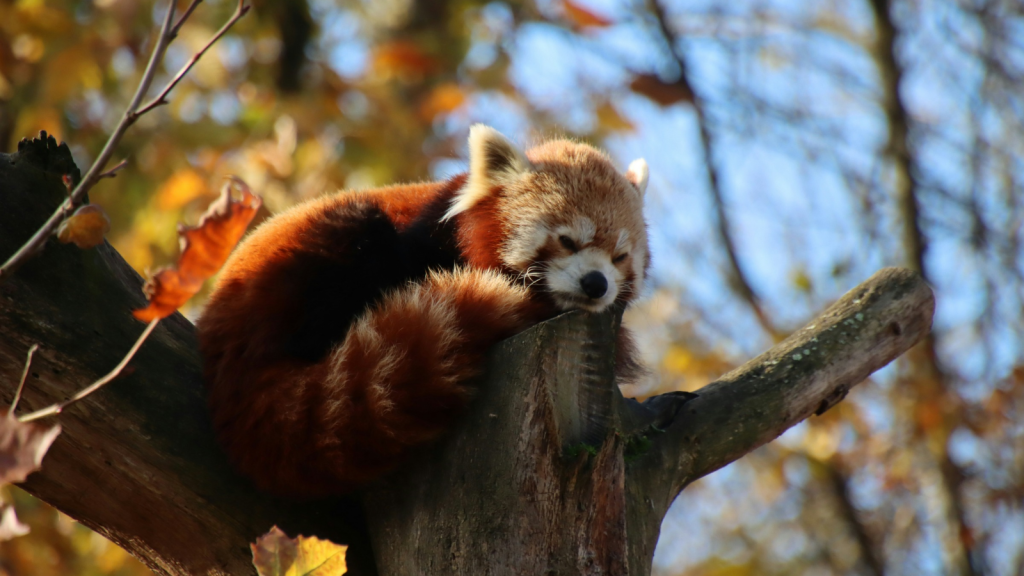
column 442, row 99
column 86, row 227
column 204, row 249
column 22, row 446
column 583, row 17
column 180, row 189
column 275, row 554
column 665, row 94
column 402, row 58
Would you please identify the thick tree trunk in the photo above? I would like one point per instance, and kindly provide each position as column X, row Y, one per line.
column 551, row 472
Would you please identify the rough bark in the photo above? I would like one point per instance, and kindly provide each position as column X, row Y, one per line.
column 551, row 472
column 137, row 461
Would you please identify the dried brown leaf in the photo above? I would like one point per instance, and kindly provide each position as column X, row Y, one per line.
column 22, row 446
column 661, row 92
column 85, row 228
column 204, row 249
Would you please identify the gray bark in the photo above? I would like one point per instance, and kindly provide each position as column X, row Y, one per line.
column 551, row 472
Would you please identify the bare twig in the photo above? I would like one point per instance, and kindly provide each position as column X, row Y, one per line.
column 60, row 406
column 112, row 173
column 24, row 376
column 131, row 114
column 161, row 98
column 181, row 21
column 742, row 283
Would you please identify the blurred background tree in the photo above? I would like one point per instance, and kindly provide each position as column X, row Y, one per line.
column 794, row 149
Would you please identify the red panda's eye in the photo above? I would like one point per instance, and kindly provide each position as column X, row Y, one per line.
column 619, row 258
column 567, row 242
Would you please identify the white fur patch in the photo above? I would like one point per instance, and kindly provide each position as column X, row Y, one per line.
column 493, row 160
column 622, row 244
column 637, row 174
column 524, row 244
column 563, row 277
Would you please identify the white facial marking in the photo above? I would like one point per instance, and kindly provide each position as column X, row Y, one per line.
column 523, row 246
column 622, row 244
column 563, row 277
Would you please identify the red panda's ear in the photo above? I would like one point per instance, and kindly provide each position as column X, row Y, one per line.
column 637, row 174
column 493, row 160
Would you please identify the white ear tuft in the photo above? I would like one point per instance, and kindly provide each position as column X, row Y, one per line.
column 637, row 174
column 493, row 160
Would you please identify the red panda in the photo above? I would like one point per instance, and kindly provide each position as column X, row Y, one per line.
column 347, row 331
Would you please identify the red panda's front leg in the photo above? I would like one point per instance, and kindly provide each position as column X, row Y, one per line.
column 399, row 378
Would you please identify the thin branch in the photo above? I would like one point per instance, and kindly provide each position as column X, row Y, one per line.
column 38, row 240
column 161, row 98
column 741, row 282
column 840, row 484
column 807, row 374
column 181, row 21
column 60, row 406
column 24, row 376
column 112, row 173
column 131, row 114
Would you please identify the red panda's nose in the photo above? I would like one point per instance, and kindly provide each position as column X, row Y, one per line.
column 594, row 284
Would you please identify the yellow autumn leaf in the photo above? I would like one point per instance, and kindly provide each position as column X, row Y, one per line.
column 610, row 119
column 275, row 554
column 85, row 228
column 181, row 188
column 442, row 99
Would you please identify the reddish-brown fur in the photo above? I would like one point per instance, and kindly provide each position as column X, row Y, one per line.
column 331, row 416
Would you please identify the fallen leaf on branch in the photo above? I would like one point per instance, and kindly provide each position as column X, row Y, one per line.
column 22, row 446
column 275, row 554
column 204, row 249
column 10, row 527
column 86, row 227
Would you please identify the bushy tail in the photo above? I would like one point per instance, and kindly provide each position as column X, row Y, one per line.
column 398, row 379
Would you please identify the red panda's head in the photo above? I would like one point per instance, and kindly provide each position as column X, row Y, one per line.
column 560, row 215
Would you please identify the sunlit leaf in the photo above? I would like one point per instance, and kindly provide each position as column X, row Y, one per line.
column 204, row 249
column 22, row 446
column 275, row 554
column 442, row 99
column 85, row 228
column 180, row 189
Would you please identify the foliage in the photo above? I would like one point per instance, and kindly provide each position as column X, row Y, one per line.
column 275, row 554
column 810, row 189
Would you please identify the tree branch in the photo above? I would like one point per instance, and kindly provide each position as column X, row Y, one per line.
column 137, row 462
column 552, row 437
column 806, row 374
column 740, row 281
column 37, row 241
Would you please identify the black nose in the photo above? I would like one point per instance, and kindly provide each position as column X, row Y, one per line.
column 594, row 284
